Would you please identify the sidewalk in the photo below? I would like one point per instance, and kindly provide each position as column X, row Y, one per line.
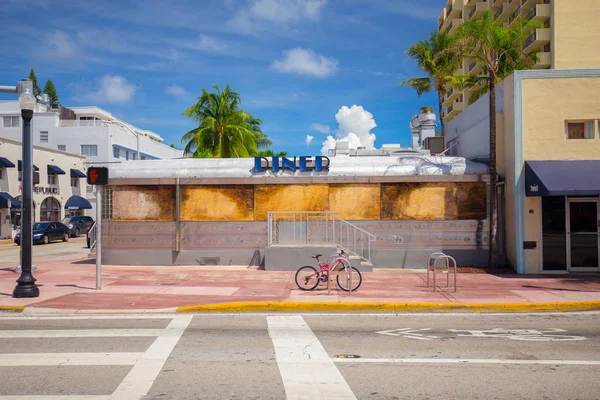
column 71, row 285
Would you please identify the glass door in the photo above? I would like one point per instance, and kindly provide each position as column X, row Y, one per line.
column 583, row 235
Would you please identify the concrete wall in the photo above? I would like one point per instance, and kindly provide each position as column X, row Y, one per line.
column 471, row 127
column 576, row 37
column 509, row 169
column 11, row 149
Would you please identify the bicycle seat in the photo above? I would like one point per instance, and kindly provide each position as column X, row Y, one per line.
column 316, row 255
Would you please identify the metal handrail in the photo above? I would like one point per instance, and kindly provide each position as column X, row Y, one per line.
column 318, row 227
column 91, row 234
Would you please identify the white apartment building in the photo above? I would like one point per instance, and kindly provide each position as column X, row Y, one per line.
column 90, row 131
column 60, row 193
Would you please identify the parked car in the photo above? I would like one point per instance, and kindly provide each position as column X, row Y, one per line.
column 78, row 225
column 46, row 232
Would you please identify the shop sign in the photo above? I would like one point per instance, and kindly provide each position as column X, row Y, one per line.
column 45, row 190
column 302, row 163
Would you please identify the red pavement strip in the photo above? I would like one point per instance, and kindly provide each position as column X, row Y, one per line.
column 70, row 285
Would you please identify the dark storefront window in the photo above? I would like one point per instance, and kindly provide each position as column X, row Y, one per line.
column 554, row 233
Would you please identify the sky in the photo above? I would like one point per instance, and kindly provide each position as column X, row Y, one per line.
column 314, row 71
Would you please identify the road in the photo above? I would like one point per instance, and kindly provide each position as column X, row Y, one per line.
column 74, row 248
column 257, row 356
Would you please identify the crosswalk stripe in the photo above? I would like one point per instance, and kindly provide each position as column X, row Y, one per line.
column 306, row 369
column 143, row 374
column 73, row 333
column 54, row 359
column 52, row 397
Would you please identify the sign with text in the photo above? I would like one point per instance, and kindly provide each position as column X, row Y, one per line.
column 97, row 176
column 302, row 163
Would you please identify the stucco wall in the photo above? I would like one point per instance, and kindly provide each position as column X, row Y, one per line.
column 509, row 169
column 547, row 103
column 576, row 38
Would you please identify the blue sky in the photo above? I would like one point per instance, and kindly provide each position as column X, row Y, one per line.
column 296, row 63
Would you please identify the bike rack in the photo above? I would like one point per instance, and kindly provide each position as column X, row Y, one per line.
column 446, row 267
column 332, row 272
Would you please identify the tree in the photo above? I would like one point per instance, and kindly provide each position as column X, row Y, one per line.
column 270, row 153
column 36, row 88
column 173, row 146
column 439, row 57
column 224, row 130
column 499, row 51
column 50, row 90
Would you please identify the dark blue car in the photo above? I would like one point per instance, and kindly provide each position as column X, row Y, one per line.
column 46, row 232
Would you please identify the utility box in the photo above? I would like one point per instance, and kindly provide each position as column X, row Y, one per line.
column 436, row 144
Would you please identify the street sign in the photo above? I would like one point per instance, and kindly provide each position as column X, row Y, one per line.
column 97, row 176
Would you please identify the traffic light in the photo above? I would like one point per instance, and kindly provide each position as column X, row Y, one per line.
column 97, row 176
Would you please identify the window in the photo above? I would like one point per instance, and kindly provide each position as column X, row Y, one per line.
column 89, row 150
column 74, row 181
column 142, row 157
column 579, row 129
column 62, row 147
column 133, row 156
column 12, row 121
column 116, row 152
column 1, row 169
column 127, row 155
column 43, row 136
column 52, row 179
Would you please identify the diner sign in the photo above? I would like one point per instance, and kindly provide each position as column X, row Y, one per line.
column 302, row 163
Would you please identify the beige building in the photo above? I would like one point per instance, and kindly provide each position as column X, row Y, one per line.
column 60, row 191
column 569, row 38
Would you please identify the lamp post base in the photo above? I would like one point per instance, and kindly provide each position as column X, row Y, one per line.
column 26, row 286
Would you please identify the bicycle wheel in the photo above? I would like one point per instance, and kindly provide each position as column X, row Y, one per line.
column 307, row 278
column 344, row 284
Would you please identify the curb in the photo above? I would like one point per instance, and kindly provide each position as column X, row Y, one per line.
column 13, row 308
column 254, row 306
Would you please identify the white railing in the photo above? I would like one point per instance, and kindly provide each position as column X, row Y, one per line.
column 92, row 236
column 318, row 228
column 70, row 123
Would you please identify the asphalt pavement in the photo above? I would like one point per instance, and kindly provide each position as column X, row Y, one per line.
column 294, row 356
column 74, row 248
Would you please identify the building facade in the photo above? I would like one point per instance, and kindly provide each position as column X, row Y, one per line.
column 89, row 131
column 568, row 38
column 59, row 192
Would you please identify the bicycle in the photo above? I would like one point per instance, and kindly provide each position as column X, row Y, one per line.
column 308, row 278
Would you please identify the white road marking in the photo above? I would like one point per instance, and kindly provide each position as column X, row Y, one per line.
column 56, row 359
column 306, row 369
column 58, row 397
column 410, row 333
column 73, row 333
column 462, row 361
column 143, row 374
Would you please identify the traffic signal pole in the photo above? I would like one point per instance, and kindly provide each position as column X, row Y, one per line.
column 98, row 237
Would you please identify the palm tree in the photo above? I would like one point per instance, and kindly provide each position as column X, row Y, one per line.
column 499, row 51
column 224, row 130
column 439, row 57
column 270, row 153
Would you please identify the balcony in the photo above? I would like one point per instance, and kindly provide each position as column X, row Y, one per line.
column 479, row 8
column 471, row 3
column 514, row 15
column 545, row 61
column 474, row 68
column 537, row 39
column 503, row 13
column 453, row 110
column 497, row 3
column 440, row 25
column 527, row 5
column 540, row 12
column 451, row 96
column 455, row 24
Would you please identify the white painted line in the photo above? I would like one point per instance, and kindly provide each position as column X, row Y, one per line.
column 55, row 359
column 58, row 397
column 143, row 374
column 462, row 361
column 306, row 369
column 72, row 333
column 86, row 317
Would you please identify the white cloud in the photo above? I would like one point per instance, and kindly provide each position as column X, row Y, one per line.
column 59, row 45
column 306, row 62
column 178, row 91
column 209, row 43
column 319, row 128
column 355, row 125
column 309, row 139
column 111, row 89
column 279, row 12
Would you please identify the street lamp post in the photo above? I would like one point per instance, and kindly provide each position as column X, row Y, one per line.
column 26, row 286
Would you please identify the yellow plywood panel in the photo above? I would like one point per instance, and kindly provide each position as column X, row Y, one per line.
column 356, row 201
column 217, row 203
column 267, row 198
column 433, row 201
column 143, row 203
